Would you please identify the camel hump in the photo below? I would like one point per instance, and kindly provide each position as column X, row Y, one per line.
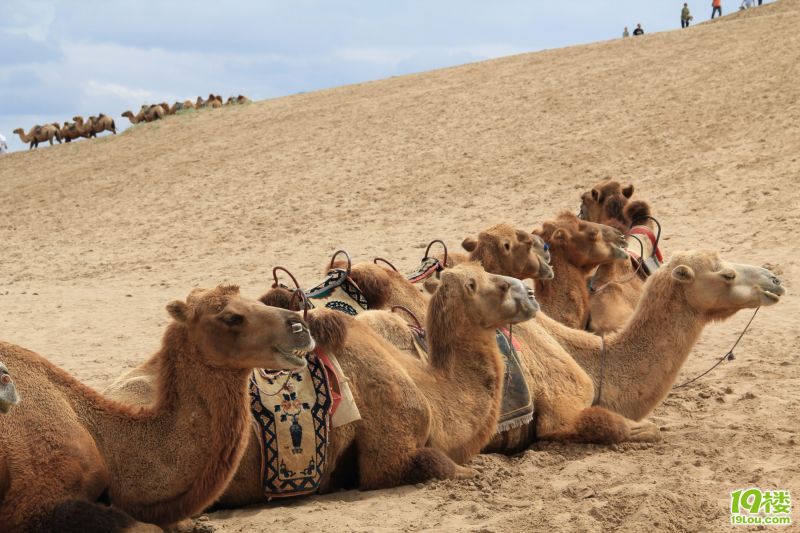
column 637, row 212
column 329, row 328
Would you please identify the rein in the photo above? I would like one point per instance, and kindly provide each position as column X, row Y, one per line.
column 602, row 370
column 727, row 357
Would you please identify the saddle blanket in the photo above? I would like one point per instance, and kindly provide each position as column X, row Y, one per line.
column 291, row 412
column 516, row 408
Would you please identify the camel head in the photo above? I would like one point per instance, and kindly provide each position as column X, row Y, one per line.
column 504, row 250
column 128, row 114
column 18, row 131
column 488, row 300
column 584, row 244
column 718, row 288
column 605, row 200
column 8, row 392
column 235, row 332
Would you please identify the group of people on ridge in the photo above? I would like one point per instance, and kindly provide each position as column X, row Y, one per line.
column 686, row 16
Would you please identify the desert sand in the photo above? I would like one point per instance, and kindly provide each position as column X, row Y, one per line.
column 98, row 236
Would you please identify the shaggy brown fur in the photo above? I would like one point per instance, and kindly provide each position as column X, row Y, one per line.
column 606, row 200
column 68, row 442
column 38, row 134
column 662, row 332
column 102, row 123
column 577, row 247
column 85, row 129
column 417, row 421
column 501, row 249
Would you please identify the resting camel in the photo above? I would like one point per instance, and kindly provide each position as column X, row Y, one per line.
column 67, row 447
column 8, row 392
column 419, row 420
column 616, row 287
column 180, row 106
column 642, row 360
column 241, row 99
column 576, row 248
column 213, row 101
column 38, row 134
column 102, row 123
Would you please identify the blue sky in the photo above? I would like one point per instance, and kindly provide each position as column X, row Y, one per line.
column 81, row 57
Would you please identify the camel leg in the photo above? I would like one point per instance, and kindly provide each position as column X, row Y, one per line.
column 598, row 425
column 80, row 516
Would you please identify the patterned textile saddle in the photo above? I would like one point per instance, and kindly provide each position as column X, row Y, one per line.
column 291, row 413
column 429, row 265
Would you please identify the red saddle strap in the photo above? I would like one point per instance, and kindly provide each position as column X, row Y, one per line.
column 333, row 379
column 643, row 230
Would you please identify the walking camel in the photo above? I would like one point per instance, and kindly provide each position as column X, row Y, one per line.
column 38, row 134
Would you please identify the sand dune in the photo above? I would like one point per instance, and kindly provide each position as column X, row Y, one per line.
column 98, row 236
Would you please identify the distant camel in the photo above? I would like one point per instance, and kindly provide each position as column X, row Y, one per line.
column 159, row 463
column 38, row 134
column 103, row 123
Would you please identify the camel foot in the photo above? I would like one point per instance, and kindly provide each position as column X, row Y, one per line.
column 463, row 472
column 645, row 432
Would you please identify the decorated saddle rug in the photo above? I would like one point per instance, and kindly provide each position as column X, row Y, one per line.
column 428, row 267
column 337, row 291
column 516, row 408
column 291, row 412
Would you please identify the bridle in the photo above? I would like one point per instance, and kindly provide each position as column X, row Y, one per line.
column 727, row 357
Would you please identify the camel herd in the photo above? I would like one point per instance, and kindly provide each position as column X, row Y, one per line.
column 173, row 436
column 151, row 112
column 79, row 128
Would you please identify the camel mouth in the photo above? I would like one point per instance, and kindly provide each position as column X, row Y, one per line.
column 773, row 295
column 296, row 358
column 619, row 251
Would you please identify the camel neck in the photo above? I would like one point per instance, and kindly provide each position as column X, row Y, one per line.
column 643, row 360
column 566, row 296
column 173, row 458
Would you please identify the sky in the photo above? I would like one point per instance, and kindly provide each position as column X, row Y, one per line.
column 59, row 59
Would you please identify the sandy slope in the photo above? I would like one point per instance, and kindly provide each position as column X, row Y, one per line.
column 98, row 236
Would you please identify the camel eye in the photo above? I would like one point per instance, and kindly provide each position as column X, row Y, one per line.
column 729, row 275
column 232, row 319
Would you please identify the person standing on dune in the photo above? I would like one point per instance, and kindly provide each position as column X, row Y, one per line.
column 625, row 32
column 716, row 7
column 638, row 30
column 685, row 16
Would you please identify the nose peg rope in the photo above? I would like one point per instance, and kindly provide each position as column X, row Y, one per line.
column 727, row 357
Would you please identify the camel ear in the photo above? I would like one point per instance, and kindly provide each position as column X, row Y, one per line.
column 431, row 285
column 596, row 195
column 559, row 235
column 179, row 311
column 469, row 244
column 628, row 191
column 683, row 273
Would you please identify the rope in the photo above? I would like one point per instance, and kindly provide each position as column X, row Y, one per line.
column 727, row 357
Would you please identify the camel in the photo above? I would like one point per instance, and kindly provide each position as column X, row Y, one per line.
column 67, row 447
column 145, row 114
column 576, row 248
column 166, row 108
column 641, row 362
column 234, row 100
column 84, row 129
column 213, row 101
column 102, row 123
column 199, row 103
column 419, row 420
column 615, row 288
column 38, row 134
column 604, row 201
column 181, row 106
column 69, row 132
column 515, row 252
column 8, row 392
